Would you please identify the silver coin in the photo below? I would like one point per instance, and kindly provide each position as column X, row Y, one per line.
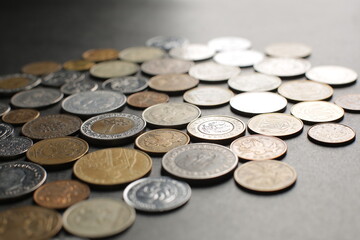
column 288, row 50
column 333, row 75
column 199, row 161
column 93, row 103
column 166, row 66
column 126, row 85
column 254, row 82
column 157, row 194
column 57, row 79
column 283, row 67
column 79, row 86
column 36, row 98
column 212, row 72
column 4, row 109
column 166, row 42
column 229, row 44
column 112, row 128
column 13, row 147
column 6, row 130
column 20, row 178
column 192, row 52
column 238, row 58
column 13, row 83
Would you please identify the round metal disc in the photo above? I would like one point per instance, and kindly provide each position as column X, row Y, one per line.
column 317, row 111
column 208, row 96
column 331, row 134
column 333, row 75
column 288, row 49
column 192, row 52
column 283, row 67
column 239, row 58
column 254, row 82
column 213, row 72
column 14, row 147
column 36, row 98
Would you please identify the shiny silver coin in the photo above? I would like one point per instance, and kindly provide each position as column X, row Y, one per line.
column 166, row 66
column 349, row 102
column 212, row 72
column 36, row 98
column 4, row 108
column 126, row 85
column 288, row 50
column 6, row 130
column 13, row 83
column 244, row 58
column 283, row 67
column 254, row 82
column 317, row 111
column 333, row 75
column 20, row 178
column 192, row 52
column 14, row 147
column 79, row 86
column 166, row 42
column 157, row 194
column 208, row 96
column 57, row 79
column 229, row 44
column 331, row 134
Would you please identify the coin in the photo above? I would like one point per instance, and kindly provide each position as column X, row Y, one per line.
column 57, row 79
column 208, row 96
column 283, row 67
column 29, row 222
column 61, row 194
column 239, row 58
column 126, row 85
column 349, row 102
column 166, row 66
column 55, row 151
column 161, row 141
column 79, row 86
column 100, row 54
column 170, row 114
column 254, row 82
column 157, row 194
column 141, row 54
column 317, row 111
column 112, row 166
column 192, row 52
column 146, row 99
column 41, row 68
column 14, row 147
column 331, row 134
column 51, row 126
column 166, row 42
column 275, row 124
column 93, row 103
column 112, row 128
column 199, row 161
column 213, row 72
column 111, row 69
column 6, row 130
column 258, row 102
column 98, row 218
column 20, row 178
column 78, row 65
column 172, row 83
column 288, row 50
column 36, row 98
column 4, row 109
column 20, row 116
column 265, row 176
column 333, row 75
column 229, row 43
column 304, row 90
column 13, row 83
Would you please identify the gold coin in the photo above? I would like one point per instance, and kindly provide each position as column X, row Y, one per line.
column 100, row 54
column 112, row 69
column 41, row 68
column 10, row 84
column 112, row 166
column 208, row 96
column 317, row 111
column 20, row 116
column 141, row 54
column 172, row 82
column 56, row 151
column 78, row 65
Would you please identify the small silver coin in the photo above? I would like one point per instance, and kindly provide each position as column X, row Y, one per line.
column 166, row 42
column 20, row 178
column 331, row 134
column 229, row 43
column 166, row 66
column 6, row 130
column 36, row 98
column 79, row 86
column 213, row 72
column 283, row 67
column 246, row 58
column 288, row 49
column 126, row 85
column 192, row 52
column 13, row 83
column 14, row 147
column 4, row 108
column 254, row 82
column 332, row 75
column 57, row 79
column 157, row 194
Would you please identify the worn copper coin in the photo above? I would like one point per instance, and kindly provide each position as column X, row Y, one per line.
column 78, row 65
column 166, row 66
column 239, row 58
column 173, row 83
column 83, row 85
column 213, row 72
column 333, row 75
column 254, row 82
column 111, row 69
column 229, row 43
column 141, row 54
column 288, row 49
column 208, row 96
column 192, row 52
column 36, row 98
column 349, row 102
column 146, row 99
column 100, row 54
column 13, row 83
column 317, row 111
column 331, row 134
column 41, row 68
column 20, row 116
column 283, row 67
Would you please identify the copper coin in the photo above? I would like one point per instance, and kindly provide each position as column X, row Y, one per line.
column 349, row 102
column 146, row 99
column 141, row 54
column 333, row 75
column 317, row 111
column 166, row 66
column 331, row 134
column 61, row 194
column 78, row 65
column 258, row 147
column 192, row 52
column 288, row 49
column 208, row 96
column 173, row 82
column 100, row 54
column 265, row 176
column 41, row 68
column 213, row 72
column 20, row 116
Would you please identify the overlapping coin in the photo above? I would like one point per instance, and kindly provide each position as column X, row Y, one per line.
column 166, row 66
column 192, row 52
column 36, row 98
column 20, row 116
column 126, row 85
column 288, row 49
column 254, row 82
column 141, row 54
column 349, row 102
column 13, row 147
column 283, row 67
column 111, row 69
column 100, row 54
column 41, row 68
column 13, row 83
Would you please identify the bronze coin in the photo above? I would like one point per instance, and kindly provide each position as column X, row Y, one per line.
column 173, row 82
column 100, row 54
column 61, row 194
column 146, row 99
column 41, row 68
column 166, row 66
column 20, row 116
column 78, row 65
column 331, row 134
column 208, row 96
column 349, row 102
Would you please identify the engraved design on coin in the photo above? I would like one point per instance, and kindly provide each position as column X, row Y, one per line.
column 4, row 109
column 216, row 127
column 283, row 67
column 317, row 111
column 36, row 98
column 254, row 82
column 59, row 78
column 6, row 130
column 80, row 85
column 20, row 116
column 331, row 133
column 147, row 99
column 13, row 147
column 125, row 85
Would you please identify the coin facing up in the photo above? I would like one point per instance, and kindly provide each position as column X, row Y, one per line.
column 79, row 86
column 6, row 130
column 288, row 50
column 349, row 102
column 112, row 128
column 13, row 83
column 254, row 82
column 41, row 68
column 283, row 67
column 332, row 75
column 166, row 42
column 36, row 98
column 57, row 79
column 29, row 222
column 275, row 124
column 208, row 96
column 265, row 176
column 166, row 66
column 172, row 83
column 229, row 44
column 146, row 99
column 258, row 147
column 126, row 85
column 199, row 161
column 100, row 54
column 317, row 111
column 78, row 65
column 161, row 141
column 98, row 218
column 20, row 178
column 171, row 114
column 4, row 109
column 20, row 116
column 331, row 134
column 51, row 126
column 213, row 72
column 192, row 52
column 157, row 194
column 252, row 103
column 112, row 166
column 141, row 54
column 240, row 58
column 14, row 147
column 111, row 69
column 61, row 194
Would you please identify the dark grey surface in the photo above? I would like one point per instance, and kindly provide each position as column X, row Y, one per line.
column 324, row 203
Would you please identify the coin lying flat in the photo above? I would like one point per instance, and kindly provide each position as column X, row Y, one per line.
column 239, row 58
column 254, row 82
column 79, row 86
column 61, row 194
column 199, row 161
column 100, row 54
column 283, row 67
column 229, row 43
column 331, row 134
column 288, row 50
column 317, row 111
column 146, row 99
column 349, row 102
column 98, row 218
column 157, row 194
column 13, row 83
column 78, row 65
column 111, row 69
column 213, row 72
column 126, row 85
column 265, row 176
column 258, row 147
column 172, row 82
column 36, row 98
column 6, row 130
column 57, row 79
column 20, row 116
column 14, row 147
column 166, row 66
column 333, row 75
column 141, row 54
column 166, row 42
column 41, row 68
column 112, row 166
column 4, row 109
column 192, row 52
column 208, row 96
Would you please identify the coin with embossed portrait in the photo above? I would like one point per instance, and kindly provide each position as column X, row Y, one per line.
column 208, row 96
column 288, row 49
column 213, row 72
column 141, row 54
column 146, row 99
column 317, row 111
column 13, row 147
column 36, row 98
column 333, row 75
column 349, row 102
column 172, row 83
column 41, row 68
column 20, row 116
column 115, row 68
column 126, row 85
column 192, row 52
column 166, row 66
column 254, row 82
column 331, row 134
column 100, row 54
column 166, row 42
column 239, row 58
column 13, row 83
column 283, row 67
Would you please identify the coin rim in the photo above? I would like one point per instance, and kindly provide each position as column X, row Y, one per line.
column 202, row 104
column 331, row 143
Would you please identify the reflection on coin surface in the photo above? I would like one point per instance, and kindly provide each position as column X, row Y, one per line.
column 199, row 161
column 78, row 65
column 6, row 130
column 4, row 109
column 98, row 218
column 141, row 54
column 79, row 86
column 317, row 111
column 288, row 49
column 333, row 75
column 57, row 79
column 229, row 43
column 157, row 194
column 208, row 96
column 212, row 72
column 61, row 194
column 240, row 58
column 166, row 66
column 171, row 114
column 331, row 133
column 13, row 147
column 146, row 99
column 111, row 69
column 192, row 52
column 100, row 54
column 349, row 102
column 41, row 68
column 265, row 176
column 13, row 83
column 172, row 82
column 258, row 147
column 254, row 82
column 283, row 67
column 161, row 140
column 112, row 166
column 304, row 90
column 36, row 98
column 20, row 116
column 126, row 85
column 166, row 42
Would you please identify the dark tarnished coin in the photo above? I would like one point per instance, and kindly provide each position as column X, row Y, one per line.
column 254, row 82
column 20, row 178
column 36, row 98
column 57, row 79
column 317, row 111
column 20, row 116
column 4, row 109
column 208, row 96
column 78, row 65
column 141, row 54
column 157, row 194
column 100, row 54
column 172, row 83
column 146, row 99
column 112, row 69
column 166, row 42
column 283, row 67
column 166, row 66
column 331, row 134
column 213, row 72
column 14, row 147
column 333, row 75
column 126, row 85
column 6, row 130
column 51, row 126
column 288, row 50
column 41, row 68
column 240, row 58
column 199, row 161
column 79, row 86
column 192, row 52
column 229, row 43
column 349, row 102
column 13, row 83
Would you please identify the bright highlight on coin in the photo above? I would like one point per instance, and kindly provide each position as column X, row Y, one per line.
column 141, row 54
column 208, row 96
column 244, row 58
column 333, row 75
column 192, row 52
column 331, row 134
column 317, row 111
column 283, row 67
column 213, row 72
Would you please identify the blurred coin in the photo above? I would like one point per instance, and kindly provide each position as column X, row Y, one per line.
column 78, row 65
column 283, row 67
column 141, row 54
column 20, row 116
column 229, row 43
column 331, row 134
column 126, row 85
column 41, row 68
column 100, row 54
column 79, row 86
column 192, row 52
column 172, row 82
column 317, row 111
column 349, row 102
column 333, row 75
column 212, row 72
column 14, row 147
column 13, row 83
column 111, row 69
column 208, row 96
column 146, row 99
column 166, row 42
column 6, row 130
column 166, row 66
column 254, row 82
column 239, row 58
column 288, row 50
column 59, row 78
column 36, row 98
column 265, row 176
column 4, row 109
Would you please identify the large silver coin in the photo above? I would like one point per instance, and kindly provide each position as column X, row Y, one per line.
column 254, row 82
column 59, row 78
column 333, row 75
column 229, row 43
column 239, row 58
column 192, row 52
column 111, row 69
column 283, row 67
column 166, row 42
column 212, row 72
column 126, row 85
column 14, row 147
column 288, row 50
column 36, row 98
column 208, row 96
column 79, row 86
column 6, row 130
column 4, row 109
column 317, row 111
column 166, row 66
column 13, row 83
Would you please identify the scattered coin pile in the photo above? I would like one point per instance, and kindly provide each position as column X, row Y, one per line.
column 166, row 65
